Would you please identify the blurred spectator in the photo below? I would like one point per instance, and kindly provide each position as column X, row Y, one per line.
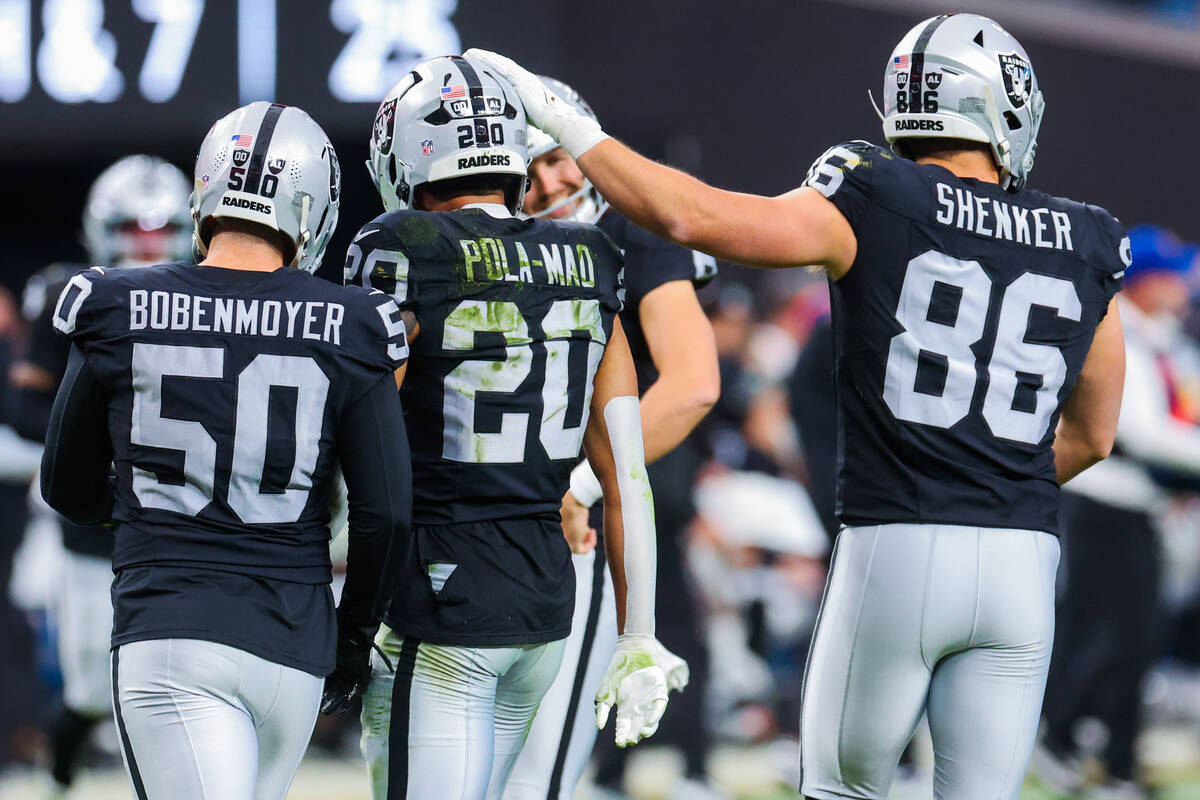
column 21, row 697
column 1109, row 619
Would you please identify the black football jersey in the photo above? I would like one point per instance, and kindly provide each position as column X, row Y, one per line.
column 49, row 351
column 959, row 331
column 650, row 261
column 224, row 392
column 514, row 317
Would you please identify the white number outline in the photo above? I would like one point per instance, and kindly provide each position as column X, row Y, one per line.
column 460, row 442
column 148, row 428
column 1010, row 354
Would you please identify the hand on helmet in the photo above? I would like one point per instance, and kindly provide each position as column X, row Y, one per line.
column 576, row 132
column 637, row 686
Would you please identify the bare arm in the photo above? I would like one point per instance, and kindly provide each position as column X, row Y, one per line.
column 685, row 355
column 614, row 378
column 1087, row 426
column 800, row 228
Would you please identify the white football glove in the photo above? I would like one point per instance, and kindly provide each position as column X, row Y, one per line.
column 636, row 685
column 576, row 132
column 675, row 668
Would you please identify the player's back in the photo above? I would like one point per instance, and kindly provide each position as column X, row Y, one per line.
column 961, row 329
column 225, row 389
column 514, row 318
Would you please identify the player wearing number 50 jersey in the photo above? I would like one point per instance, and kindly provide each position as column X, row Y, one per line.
column 979, row 366
column 226, row 395
column 518, row 360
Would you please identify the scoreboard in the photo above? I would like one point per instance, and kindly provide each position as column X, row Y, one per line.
column 142, row 71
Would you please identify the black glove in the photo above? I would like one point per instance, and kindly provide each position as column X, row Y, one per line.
column 351, row 675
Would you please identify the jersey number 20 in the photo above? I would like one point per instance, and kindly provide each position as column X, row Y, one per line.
column 461, row 442
column 1015, row 362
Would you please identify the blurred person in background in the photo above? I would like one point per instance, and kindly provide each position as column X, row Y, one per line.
column 136, row 215
column 966, row 394
column 675, row 357
column 1110, row 618
column 19, row 701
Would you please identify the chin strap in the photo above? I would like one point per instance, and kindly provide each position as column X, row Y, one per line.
column 305, row 233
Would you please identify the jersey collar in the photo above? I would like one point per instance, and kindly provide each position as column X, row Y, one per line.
column 493, row 209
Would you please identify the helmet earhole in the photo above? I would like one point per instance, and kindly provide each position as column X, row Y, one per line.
column 1014, row 124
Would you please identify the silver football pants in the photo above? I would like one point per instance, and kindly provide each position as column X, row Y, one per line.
column 954, row 621
column 450, row 721
column 564, row 730
column 85, row 617
column 204, row 721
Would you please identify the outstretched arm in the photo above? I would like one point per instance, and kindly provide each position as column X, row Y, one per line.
column 799, row 228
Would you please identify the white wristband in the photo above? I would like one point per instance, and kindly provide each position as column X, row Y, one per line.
column 585, row 486
column 580, row 134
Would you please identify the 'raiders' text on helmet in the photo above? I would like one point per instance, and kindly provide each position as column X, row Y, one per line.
column 273, row 165
column 962, row 76
column 448, row 118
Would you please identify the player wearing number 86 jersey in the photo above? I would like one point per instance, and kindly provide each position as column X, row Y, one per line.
column 979, row 366
column 226, row 395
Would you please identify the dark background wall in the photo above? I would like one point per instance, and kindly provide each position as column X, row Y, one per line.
column 746, row 94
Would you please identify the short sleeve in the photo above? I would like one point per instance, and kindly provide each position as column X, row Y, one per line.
column 651, row 261
column 376, row 259
column 844, row 175
column 81, row 305
column 391, row 337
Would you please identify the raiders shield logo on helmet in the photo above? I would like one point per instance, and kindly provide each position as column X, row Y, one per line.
column 276, row 165
column 382, row 133
column 933, row 79
column 1018, row 78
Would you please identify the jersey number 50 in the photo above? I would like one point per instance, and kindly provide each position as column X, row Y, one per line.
column 149, row 428
column 1015, row 363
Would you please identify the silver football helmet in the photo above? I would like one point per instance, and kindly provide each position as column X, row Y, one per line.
column 590, row 206
column 448, row 118
column 271, row 164
column 137, row 214
column 962, row 76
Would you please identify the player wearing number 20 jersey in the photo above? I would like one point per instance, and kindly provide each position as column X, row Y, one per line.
column 514, row 316
column 519, row 359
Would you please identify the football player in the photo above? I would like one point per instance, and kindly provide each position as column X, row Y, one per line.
column 518, row 359
column 676, row 361
column 136, row 214
column 979, row 366
column 226, row 394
